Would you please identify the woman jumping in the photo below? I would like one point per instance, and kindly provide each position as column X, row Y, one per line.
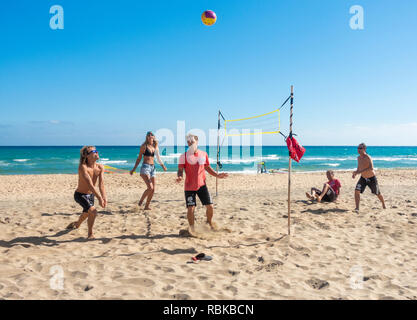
column 148, row 149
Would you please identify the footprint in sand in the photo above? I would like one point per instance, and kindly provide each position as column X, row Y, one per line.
column 232, row 288
column 181, row 296
column 143, row 282
column 317, row 283
column 79, row 274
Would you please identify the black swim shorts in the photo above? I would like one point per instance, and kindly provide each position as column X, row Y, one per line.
column 330, row 195
column 372, row 183
column 202, row 193
column 84, row 200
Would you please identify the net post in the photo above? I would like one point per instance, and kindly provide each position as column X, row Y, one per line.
column 289, row 165
column 218, row 149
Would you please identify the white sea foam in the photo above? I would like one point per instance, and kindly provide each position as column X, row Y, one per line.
column 237, row 159
column 394, row 159
column 332, row 164
column 171, row 156
column 113, row 161
column 21, row 160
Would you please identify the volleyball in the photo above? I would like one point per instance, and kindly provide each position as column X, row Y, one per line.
column 208, row 17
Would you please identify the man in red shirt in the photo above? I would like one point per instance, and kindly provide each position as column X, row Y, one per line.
column 330, row 192
column 196, row 163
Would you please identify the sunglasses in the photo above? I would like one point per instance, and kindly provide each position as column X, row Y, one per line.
column 360, row 148
column 92, row 151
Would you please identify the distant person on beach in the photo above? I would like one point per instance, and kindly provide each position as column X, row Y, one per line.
column 88, row 173
column 262, row 167
column 368, row 178
column 149, row 149
column 330, row 191
column 195, row 162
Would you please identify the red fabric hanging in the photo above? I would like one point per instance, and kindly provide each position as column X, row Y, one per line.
column 296, row 150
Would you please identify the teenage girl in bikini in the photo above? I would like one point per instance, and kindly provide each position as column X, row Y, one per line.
column 148, row 150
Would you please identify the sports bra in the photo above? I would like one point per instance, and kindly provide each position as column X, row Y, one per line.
column 148, row 153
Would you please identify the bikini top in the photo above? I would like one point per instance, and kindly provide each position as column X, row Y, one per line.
column 148, row 153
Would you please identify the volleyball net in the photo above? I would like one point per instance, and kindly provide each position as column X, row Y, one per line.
column 266, row 123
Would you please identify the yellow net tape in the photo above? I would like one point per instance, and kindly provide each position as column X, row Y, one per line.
column 255, row 132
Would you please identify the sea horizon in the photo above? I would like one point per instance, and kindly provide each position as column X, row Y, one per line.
column 240, row 159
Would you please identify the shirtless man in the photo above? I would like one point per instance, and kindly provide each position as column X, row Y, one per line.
column 195, row 163
column 88, row 173
column 368, row 178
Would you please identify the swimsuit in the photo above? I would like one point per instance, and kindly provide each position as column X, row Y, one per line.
column 371, row 182
column 148, row 153
column 330, row 195
column 202, row 193
column 84, row 200
column 148, row 169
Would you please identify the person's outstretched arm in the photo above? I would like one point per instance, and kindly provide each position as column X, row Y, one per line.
column 215, row 174
column 141, row 151
column 159, row 159
column 180, row 174
column 101, row 186
column 356, row 171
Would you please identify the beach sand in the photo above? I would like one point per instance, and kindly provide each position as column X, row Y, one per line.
column 332, row 252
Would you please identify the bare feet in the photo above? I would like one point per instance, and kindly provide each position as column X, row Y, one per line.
column 140, row 203
column 309, row 196
column 212, row 225
column 73, row 225
column 147, row 208
column 384, row 207
column 90, row 237
column 191, row 230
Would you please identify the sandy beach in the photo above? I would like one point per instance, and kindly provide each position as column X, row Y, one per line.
column 332, row 253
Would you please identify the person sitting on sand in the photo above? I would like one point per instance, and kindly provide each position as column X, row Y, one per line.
column 330, row 192
column 195, row 162
column 88, row 173
column 368, row 178
column 148, row 149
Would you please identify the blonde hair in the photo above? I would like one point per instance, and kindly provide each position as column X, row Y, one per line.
column 155, row 142
column 84, row 155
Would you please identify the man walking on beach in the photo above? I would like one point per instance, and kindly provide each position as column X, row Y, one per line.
column 196, row 162
column 88, row 173
column 368, row 178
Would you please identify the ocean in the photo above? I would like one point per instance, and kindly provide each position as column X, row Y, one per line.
column 49, row 160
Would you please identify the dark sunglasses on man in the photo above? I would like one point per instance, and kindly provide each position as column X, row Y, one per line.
column 92, row 151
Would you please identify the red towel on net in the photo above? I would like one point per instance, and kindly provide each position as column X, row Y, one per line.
column 296, row 150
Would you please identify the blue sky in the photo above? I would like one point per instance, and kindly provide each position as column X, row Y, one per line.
column 119, row 69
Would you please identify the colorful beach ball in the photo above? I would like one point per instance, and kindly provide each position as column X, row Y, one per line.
column 208, row 17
